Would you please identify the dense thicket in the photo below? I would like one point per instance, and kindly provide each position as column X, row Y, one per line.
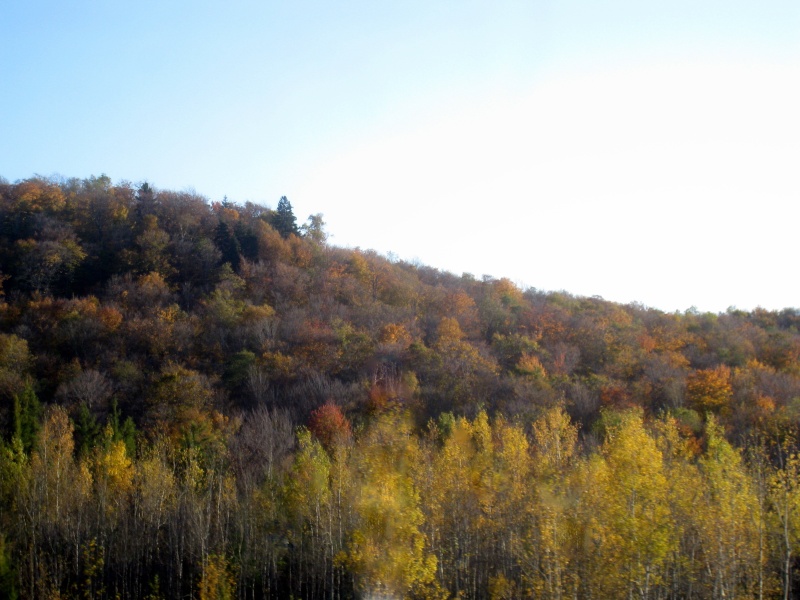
column 204, row 400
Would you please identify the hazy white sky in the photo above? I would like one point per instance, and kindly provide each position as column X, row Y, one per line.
column 638, row 150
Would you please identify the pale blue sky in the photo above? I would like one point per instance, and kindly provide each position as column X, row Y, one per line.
column 638, row 150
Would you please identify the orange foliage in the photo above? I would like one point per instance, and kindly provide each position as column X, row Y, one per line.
column 709, row 390
column 509, row 293
column 38, row 196
column 461, row 306
column 449, row 331
column 530, row 366
column 647, row 342
column 394, row 333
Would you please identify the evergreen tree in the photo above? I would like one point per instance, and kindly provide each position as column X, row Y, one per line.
column 27, row 415
column 228, row 245
column 284, row 220
column 87, row 430
column 124, row 431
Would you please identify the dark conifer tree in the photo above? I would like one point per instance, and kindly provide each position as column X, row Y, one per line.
column 146, row 201
column 228, row 245
column 26, row 417
column 284, row 220
column 87, row 430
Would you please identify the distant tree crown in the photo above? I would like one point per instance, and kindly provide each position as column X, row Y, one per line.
column 284, row 220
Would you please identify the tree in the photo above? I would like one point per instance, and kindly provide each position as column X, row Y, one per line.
column 784, row 496
column 709, row 390
column 473, row 499
column 329, row 425
column 15, row 362
column 726, row 519
column 454, row 373
column 229, row 247
column 154, row 500
column 630, row 527
column 284, row 220
column 26, row 417
column 387, row 553
column 217, row 581
column 153, row 250
column 87, row 430
column 315, row 229
column 545, row 551
column 178, row 404
column 52, row 506
column 51, row 259
column 309, row 495
column 684, row 568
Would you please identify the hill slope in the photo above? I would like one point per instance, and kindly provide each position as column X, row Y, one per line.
column 157, row 346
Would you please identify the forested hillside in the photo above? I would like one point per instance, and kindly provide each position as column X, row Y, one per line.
column 207, row 400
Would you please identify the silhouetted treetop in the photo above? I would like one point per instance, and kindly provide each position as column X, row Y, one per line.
column 284, row 220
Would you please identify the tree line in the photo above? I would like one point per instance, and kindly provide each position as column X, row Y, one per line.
column 202, row 399
column 474, row 508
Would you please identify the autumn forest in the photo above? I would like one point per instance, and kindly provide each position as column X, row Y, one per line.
column 208, row 400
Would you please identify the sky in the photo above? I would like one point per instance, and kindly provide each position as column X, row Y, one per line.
column 642, row 151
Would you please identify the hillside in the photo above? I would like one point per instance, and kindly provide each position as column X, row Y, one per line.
column 198, row 397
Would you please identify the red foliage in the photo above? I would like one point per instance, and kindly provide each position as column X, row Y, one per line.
column 329, row 425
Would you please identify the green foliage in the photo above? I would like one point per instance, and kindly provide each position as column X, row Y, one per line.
column 122, row 430
column 87, row 430
column 689, row 419
column 27, row 417
column 154, row 592
column 510, row 349
column 15, row 363
column 609, row 421
column 8, row 583
column 314, row 229
column 238, row 367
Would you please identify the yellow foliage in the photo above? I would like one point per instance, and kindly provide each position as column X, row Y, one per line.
column 170, row 314
column 217, row 581
column 531, row 366
column 152, row 283
column 630, row 524
column 113, row 474
column 387, row 548
column 554, row 438
column 509, row 293
column 449, row 331
column 279, row 364
column 254, row 314
column 113, row 465
column 501, row 588
column 155, row 488
column 38, row 196
column 726, row 516
column 359, row 267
